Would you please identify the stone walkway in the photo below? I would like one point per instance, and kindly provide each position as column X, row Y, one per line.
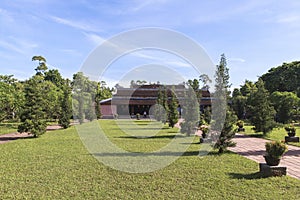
column 14, row 136
column 254, row 149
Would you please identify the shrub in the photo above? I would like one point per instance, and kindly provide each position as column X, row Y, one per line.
column 276, row 149
column 240, row 123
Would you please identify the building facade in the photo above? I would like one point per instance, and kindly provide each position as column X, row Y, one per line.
column 140, row 99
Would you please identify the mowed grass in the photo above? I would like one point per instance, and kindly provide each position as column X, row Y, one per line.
column 8, row 128
column 57, row 166
column 275, row 134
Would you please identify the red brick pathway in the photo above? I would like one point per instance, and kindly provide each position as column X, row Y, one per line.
column 254, row 149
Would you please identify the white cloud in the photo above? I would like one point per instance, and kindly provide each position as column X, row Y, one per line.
column 289, row 19
column 75, row 24
column 18, row 45
column 178, row 64
column 6, row 16
column 94, row 38
column 236, row 59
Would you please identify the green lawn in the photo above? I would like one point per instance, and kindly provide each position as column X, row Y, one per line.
column 275, row 134
column 8, row 128
column 57, row 166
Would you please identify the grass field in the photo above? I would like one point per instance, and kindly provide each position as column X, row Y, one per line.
column 275, row 134
column 8, row 128
column 58, row 166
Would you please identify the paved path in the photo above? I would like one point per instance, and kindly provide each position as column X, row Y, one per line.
column 14, row 136
column 254, row 149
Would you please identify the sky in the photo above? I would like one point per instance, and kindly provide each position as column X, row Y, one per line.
column 254, row 35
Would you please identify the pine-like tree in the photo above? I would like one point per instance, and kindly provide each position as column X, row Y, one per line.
column 222, row 93
column 165, row 104
column 262, row 111
column 158, row 107
column 173, row 112
column 66, row 107
column 33, row 115
column 190, row 112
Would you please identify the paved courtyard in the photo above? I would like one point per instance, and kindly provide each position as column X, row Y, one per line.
column 254, row 149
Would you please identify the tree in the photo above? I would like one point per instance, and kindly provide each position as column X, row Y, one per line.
column 239, row 103
column 33, row 115
column 222, row 91
column 11, row 97
column 173, row 112
column 284, row 78
column 285, row 105
column 190, row 112
column 66, row 107
column 42, row 67
column 204, row 78
column 55, row 77
column 262, row 111
column 102, row 92
column 158, row 110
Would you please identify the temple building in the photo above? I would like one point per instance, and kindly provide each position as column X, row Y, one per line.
column 139, row 99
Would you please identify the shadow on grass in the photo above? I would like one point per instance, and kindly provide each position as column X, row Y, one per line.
column 145, row 154
column 250, row 176
column 139, row 129
column 10, row 138
column 151, row 137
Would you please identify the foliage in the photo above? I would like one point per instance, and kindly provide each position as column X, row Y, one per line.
column 162, row 108
column 222, row 91
column 241, row 99
column 291, row 130
column 173, row 112
column 66, row 108
column 102, row 92
column 87, row 95
column 42, row 67
column 34, row 113
column 284, row 78
column 240, row 123
column 276, row 149
column 262, row 111
column 190, row 112
column 11, row 98
column 285, row 104
column 227, row 133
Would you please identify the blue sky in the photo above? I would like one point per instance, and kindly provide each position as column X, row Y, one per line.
column 255, row 35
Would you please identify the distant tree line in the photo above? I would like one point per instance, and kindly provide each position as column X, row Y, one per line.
column 275, row 97
column 46, row 96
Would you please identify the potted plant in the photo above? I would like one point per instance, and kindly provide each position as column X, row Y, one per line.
column 204, row 129
column 138, row 116
column 240, row 124
column 291, row 130
column 274, row 152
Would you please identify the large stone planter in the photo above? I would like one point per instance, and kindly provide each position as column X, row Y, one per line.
column 291, row 139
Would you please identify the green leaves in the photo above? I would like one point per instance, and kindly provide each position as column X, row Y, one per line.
column 262, row 111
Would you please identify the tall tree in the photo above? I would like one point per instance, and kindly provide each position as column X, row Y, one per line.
column 173, row 112
column 285, row 104
column 158, row 109
column 42, row 67
column 222, row 91
column 11, row 97
column 33, row 116
column 284, row 78
column 262, row 111
column 66, row 107
column 190, row 112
